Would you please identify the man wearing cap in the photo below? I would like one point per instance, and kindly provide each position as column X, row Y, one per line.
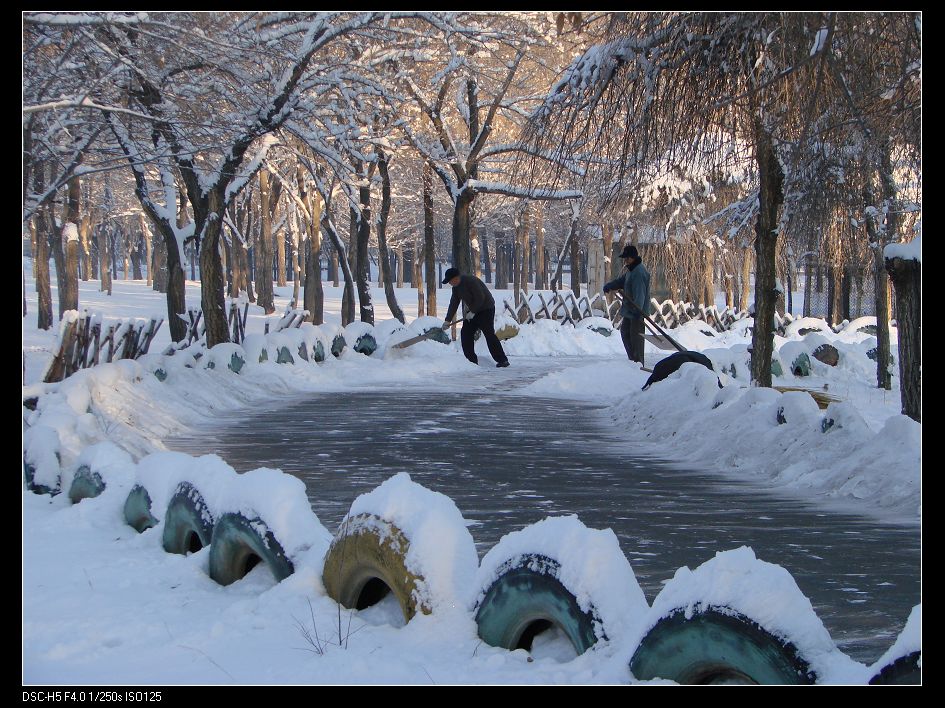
column 481, row 315
column 636, row 291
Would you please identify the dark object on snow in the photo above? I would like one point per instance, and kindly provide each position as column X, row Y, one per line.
column 904, row 670
column 666, row 366
column 827, row 354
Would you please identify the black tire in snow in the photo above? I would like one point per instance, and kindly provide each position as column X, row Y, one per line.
column 717, row 646
column 903, row 671
column 188, row 523
column 526, row 599
column 239, row 544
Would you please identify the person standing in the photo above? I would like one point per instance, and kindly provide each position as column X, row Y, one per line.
column 636, row 291
column 480, row 316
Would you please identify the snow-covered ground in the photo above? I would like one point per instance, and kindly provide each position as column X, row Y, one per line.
column 104, row 604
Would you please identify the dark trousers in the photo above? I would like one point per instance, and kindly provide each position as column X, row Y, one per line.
column 631, row 332
column 484, row 321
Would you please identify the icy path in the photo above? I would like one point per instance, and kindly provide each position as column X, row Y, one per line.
column 509, row 460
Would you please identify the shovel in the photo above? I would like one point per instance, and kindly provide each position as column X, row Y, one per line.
column 421, row 337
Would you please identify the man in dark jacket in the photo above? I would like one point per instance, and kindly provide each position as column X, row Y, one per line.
column 636, row 290
column 481, row 315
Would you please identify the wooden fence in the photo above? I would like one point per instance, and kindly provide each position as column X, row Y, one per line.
column 83, row 344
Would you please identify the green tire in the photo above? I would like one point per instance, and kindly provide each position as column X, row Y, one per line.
column 366, row 344
column 364, row 565
column 717, row 647
column 438, row 334
column 318, row 352
column 33, row 486
column 188, row 523
column 285, row 356
column 903, row 671
column 137, row 509
column 801, row 365
column 528, row 598
column 338, row 345
column 85, row 485
column 239, row 544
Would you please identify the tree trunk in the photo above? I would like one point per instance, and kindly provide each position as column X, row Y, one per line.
column 498, row 248
column 575, row 264
column 462, row 251
column 314, row 295
column 264, row 294
column 44, row 315
column 418, row 276
column 746, row 277
column 429, row 246
column 212, row 283
column 907, row 281
column 766, row 242
column 383, row 256
column 363, row 262
column 296, row 268
column 709, row 277
column 159, row 269
column 280, row 259
column 809, row 284
column 146, row 235
column 476, row 252
column 347, row 300
column 540, row 273
column 84, row 247
column 836, row 294
column 487, row 259
column 333, row 276
column 399, row 254
column 69, row 293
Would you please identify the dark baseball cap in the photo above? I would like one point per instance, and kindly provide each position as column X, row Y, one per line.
column 450, row 274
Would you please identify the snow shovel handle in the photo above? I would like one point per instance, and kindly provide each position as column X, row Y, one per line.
column 653, row 325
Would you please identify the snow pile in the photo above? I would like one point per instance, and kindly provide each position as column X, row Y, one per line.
column 607, row 382
column 41, row 453
column 765, row 593
column 279, row 499
column 592, row 568
column 441, row 551
column 549, row 338
column 738, row 430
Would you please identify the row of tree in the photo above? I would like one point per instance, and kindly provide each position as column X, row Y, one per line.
column 284, row 137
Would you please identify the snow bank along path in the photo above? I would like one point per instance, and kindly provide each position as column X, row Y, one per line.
column 588, row 564
column 76, row 421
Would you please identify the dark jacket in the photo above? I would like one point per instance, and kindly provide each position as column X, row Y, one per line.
column 636, row 286
column 474, row 294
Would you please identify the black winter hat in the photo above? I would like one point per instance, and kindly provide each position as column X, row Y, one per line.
column 629, row 251
column 450, row 274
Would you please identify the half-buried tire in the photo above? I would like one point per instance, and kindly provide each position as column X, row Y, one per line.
column 904, row 670
column 366, row 562
column 717, row 646
column 86, row 484
column 239, row 544
column 137, row 509
column 526, row 599
column 188, row 523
